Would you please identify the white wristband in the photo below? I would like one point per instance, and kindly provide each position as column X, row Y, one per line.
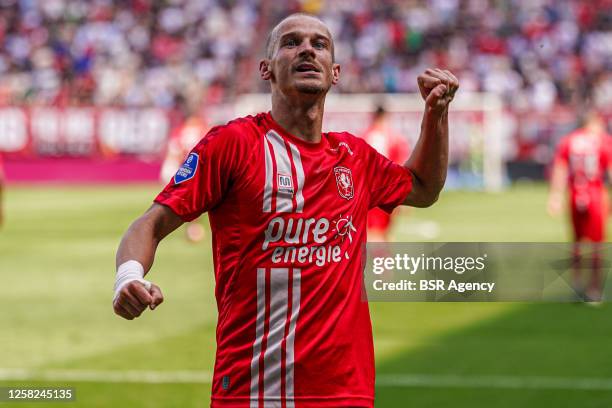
column 127, row 272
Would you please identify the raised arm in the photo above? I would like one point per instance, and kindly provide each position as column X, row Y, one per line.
column 135, row 257
column 429, row 159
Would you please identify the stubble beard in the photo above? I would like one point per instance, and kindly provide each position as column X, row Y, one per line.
column 309, row 89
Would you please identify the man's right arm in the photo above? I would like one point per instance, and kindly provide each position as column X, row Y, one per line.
column 201, row 184
column 558, row 182
column 135, row 256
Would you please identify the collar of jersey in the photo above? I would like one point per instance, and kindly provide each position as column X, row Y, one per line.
column 294, row 139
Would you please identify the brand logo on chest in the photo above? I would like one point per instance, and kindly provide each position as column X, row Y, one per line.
column 344, row 182
column 285, row 183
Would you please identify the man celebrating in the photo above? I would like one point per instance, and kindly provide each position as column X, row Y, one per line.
column 393, row 146
column 287, row 206
column 582, row 159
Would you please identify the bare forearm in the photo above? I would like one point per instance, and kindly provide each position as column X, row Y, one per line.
column 429, row 160
column 138, row 244
column 140, row 241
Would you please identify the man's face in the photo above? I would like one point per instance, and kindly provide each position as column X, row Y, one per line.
column 301, row 59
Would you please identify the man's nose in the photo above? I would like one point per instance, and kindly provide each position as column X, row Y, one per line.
column 306, row 49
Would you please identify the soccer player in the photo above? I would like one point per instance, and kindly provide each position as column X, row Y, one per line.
column 1, row 192
column 581, row 160
column 186, row 135
column 287, row 206
column 390, row 144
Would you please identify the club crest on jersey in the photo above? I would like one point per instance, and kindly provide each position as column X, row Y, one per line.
column 344, row 181
column 285, row 183
column 188, row 170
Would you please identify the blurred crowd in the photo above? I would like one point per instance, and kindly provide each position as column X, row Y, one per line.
column 536, row 53
column 126, row 53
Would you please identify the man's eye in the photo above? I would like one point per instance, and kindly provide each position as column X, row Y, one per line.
column 290, row 43
column 319, row 45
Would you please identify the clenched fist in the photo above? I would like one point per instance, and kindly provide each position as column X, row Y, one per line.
column 437, row 88
column 135, row 296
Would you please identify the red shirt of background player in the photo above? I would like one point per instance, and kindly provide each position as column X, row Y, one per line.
column 587, row 156
column 1, row 190
column 288, row 228
column 394, row 147
column 182, row 139
column 2, row 176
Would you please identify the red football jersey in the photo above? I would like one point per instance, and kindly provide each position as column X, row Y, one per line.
column 587, row 158
column 1, row 169
column 288, row 221
column 388, row 143
column 394, row 147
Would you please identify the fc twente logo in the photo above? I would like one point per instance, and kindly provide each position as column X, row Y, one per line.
column 344, row 181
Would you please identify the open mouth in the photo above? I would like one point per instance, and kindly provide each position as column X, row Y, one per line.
column 306, row 67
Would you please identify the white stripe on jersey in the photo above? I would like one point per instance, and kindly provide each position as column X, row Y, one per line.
column 259, row 333
column 290, row 342
column 267, row 197
column 272, row 356
column 299, row 172
column 276, row 333
column 284, row 200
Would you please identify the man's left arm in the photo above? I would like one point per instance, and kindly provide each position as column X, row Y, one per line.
column 429, row 160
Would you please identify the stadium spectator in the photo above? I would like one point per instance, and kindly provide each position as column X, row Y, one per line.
column 140, row 52
column 393, row 146
column 582, row 160
column 287, row 206
column 542, row 57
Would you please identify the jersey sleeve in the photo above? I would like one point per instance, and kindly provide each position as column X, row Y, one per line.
column 206, row 176
column 390, row 182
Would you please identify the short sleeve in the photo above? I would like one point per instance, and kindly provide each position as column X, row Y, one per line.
column 390, row 182
column 204, row 179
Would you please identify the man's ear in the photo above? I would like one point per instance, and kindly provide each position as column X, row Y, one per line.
column 335, row 73
column 264, row 69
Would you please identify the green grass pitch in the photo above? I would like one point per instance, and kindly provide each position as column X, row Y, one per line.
column 57, row 271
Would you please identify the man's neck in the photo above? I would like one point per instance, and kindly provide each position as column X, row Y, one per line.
column 303, row 119
column 594, row 129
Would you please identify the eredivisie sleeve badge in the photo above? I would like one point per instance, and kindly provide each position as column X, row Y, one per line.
column 188, row 170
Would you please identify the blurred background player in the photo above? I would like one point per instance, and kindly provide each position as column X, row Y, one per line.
column 1, row 192
column 394, row 147
column 189, row 128
column 581, row 161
